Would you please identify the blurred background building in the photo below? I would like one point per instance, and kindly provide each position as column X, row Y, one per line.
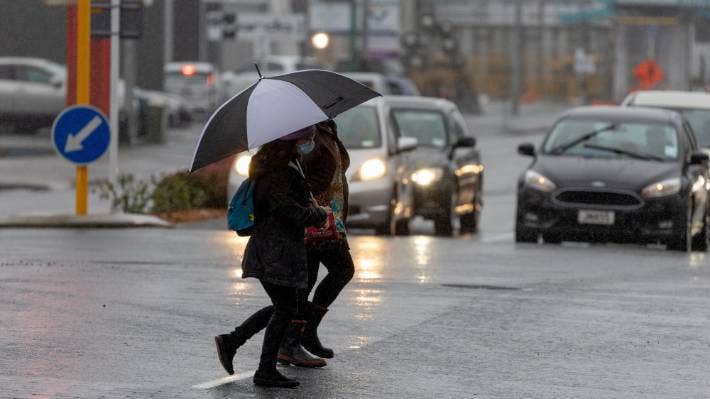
column 566, row 50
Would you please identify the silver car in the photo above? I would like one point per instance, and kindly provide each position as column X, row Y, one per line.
column 409, row 156
column 197, row 83
column 32, row 92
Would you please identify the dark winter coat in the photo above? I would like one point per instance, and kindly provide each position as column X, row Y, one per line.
column 276, row 252
column 320, row 164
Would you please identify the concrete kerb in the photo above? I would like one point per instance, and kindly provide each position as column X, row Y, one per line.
column 118, row 220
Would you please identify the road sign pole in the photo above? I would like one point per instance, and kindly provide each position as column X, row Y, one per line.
column 83, row 70
column 114, row 105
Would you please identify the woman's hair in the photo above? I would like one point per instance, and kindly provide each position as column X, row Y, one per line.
column 277, row 153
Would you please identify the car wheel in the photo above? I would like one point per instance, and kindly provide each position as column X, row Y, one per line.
column 551, row 238
column 401, row 227
column 470, row 221
column 683, row 241
column 444, row 224
column 525, row 235
column 700, row 241
column 391, row 225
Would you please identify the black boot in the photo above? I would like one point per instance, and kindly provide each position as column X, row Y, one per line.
column 227, row 344
column 274, row 379
column 291, row 351
column 267, row 375
column 226, row 349
column 310, row 339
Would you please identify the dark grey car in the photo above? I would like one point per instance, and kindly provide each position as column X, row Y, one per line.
column 616, row 174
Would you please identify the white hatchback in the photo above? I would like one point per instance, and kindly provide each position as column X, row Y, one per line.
column 694, row 106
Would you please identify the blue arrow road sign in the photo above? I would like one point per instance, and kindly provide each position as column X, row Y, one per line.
column 81, row 134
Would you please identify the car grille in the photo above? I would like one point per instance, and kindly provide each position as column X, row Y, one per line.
column 598, row 198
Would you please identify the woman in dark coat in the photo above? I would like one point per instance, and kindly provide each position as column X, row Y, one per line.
column 275, row 253
column 325, row 170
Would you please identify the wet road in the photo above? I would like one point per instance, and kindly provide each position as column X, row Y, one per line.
column 132, row 313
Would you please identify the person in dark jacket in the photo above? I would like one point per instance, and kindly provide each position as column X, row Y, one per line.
column 276, row 253
column 325, row 171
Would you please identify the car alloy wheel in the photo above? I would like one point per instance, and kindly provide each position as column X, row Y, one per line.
column 445, row 224
column 470, row 221
column 525, row 235
column 392, row 225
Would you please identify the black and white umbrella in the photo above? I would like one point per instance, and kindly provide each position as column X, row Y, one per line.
column 274, row 107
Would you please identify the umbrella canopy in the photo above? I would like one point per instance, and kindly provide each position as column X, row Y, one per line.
column 274, row 107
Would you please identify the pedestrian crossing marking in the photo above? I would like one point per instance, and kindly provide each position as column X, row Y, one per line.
column 226, row 380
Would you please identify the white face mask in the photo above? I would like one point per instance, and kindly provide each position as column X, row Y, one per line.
column 306, row 148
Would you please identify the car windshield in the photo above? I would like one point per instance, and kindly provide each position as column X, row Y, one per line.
column 596, row 138
column 428, row 127
column 173, row 79
column 358, row 128
column 699, row 120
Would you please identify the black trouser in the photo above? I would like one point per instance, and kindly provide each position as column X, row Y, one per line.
column 274, row 318
column 335, row 256
column 288, row 301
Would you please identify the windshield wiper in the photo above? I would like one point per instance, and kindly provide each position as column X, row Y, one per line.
column 632, row 154
column 566, row 146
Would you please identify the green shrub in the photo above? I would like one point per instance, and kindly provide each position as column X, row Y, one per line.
column 181, row 191
column 128, row 195
column 175, row 192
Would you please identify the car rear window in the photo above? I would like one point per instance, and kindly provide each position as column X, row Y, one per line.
column 653, row 139
column 178, row 79
column 428, row 127
column 358, row 128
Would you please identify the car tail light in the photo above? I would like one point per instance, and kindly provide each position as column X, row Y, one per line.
column 188, row 70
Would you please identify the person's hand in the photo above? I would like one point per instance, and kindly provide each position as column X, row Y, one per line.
column 328, row 211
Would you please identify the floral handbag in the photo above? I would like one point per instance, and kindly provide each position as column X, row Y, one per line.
column 318, row 234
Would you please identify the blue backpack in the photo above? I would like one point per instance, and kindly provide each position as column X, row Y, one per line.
column 240, row 214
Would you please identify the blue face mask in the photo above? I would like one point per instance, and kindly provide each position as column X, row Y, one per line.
column 306, row 148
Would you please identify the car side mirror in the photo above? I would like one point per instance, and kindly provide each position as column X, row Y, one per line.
column 56, row 82
column 526, row 149
column 467, row 141
column 405, row 144
column 698, row 158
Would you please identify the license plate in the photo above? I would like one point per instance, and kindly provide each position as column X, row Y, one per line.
column 595, row 217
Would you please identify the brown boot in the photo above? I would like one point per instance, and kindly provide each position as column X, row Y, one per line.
column 291, row 351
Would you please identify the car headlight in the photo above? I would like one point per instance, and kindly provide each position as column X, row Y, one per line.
column 427, row 176
column 539, row 182
column 662, row 188
column 241, row 166
column 372, row 169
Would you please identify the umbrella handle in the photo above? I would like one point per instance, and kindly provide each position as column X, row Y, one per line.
column 257, row 70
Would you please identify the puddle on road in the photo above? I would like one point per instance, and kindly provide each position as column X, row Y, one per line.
column 129, row 262
column 482, row 287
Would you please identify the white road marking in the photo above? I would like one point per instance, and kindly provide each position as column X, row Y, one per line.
column 226, row 380
column 498, row 238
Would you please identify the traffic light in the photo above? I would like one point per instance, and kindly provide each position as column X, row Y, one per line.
column 229, row 27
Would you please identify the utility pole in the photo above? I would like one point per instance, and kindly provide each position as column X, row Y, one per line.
column 515, row 59
column 168, row 33
column 202, row 31
column 353, row 35
column 365, row 34
column 129, row 77
column 114, row 105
